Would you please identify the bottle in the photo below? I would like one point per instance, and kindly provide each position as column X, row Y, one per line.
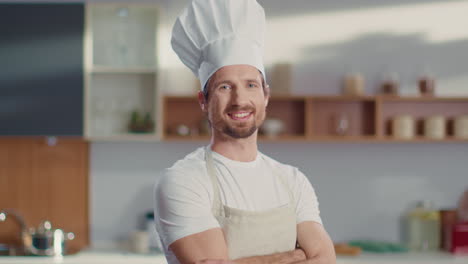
column 154, row 240
column 423, row 228
column 426, row 86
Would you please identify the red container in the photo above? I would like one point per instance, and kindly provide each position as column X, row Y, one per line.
column 459, row 239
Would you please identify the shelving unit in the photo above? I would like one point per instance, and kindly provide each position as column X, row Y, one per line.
column 420, row 108
column 317, row 118
column 184, row 111
column 292, row 112
column 120, row 70
column 328, row 111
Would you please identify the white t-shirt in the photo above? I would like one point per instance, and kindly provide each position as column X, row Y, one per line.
column 184, row 193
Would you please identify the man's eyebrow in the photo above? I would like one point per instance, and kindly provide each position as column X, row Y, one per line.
column 216, row 84
column 252, row 81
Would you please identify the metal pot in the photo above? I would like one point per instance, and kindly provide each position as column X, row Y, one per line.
column 46, row 241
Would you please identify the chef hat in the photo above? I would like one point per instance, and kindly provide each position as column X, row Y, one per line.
column 210, row 34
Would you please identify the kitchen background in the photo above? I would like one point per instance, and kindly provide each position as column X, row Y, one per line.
column 363, row 188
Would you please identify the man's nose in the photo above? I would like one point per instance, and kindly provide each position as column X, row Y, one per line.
column 240, row 96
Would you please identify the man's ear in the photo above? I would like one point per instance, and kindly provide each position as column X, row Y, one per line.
column 267, row 94
column 202, row 101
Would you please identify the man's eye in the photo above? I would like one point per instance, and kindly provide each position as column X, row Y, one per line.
column 225, row 87
column 253, row 85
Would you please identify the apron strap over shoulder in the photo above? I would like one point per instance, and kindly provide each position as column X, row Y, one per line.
column 217, row 208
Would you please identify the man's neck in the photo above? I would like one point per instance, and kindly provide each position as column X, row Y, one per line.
column 244, row 149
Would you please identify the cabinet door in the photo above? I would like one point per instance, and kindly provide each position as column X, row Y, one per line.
column 45, row 180
column 41, row 69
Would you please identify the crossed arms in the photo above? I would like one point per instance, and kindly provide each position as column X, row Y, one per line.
column 209, row 247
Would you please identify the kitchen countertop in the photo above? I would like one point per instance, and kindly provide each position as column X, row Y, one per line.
column 94, row 256
column 403, row 258
column 91, row 256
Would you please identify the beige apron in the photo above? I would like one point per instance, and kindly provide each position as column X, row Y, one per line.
column 250, row 233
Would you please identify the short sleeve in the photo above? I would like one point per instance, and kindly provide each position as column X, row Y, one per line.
column 307, row 205
column 182, row 205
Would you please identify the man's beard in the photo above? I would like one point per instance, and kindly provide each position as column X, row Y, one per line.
column 241, row 132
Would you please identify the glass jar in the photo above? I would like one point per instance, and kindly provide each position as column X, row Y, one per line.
column 423, row 228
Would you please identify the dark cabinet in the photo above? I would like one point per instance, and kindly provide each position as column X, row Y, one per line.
column 41, row 69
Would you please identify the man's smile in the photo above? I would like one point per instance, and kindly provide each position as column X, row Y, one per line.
column 240, row 115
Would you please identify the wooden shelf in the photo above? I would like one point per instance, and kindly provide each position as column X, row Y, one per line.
column 325, row 139
column 420, row 108
column 262, row 138
column 185, row 138
column 342, row 138
column 420, row 139
column 288, row 138
column 422, row 99
column 315, row 118
column 341, row 98
column 327, row 115
column 125, row 137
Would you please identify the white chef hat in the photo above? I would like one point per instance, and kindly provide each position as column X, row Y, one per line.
column 210, row 34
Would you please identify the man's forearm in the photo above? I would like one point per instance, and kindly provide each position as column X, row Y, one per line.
column 279, row 258
column 318, row 260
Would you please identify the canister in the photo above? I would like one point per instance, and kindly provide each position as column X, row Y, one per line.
column 403, row 127
column 140, row 242
column 434, row 127
column 353, row 84
column 461, row 127
column 423, row 227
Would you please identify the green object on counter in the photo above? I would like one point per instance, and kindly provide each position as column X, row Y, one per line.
column 378, row 246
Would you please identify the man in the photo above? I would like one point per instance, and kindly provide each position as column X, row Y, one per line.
column 227, row 202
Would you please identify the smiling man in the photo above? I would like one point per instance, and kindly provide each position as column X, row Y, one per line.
column 228, row 202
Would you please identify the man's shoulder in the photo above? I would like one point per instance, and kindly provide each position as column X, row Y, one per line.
column 275, row 164
column 290, row 172
column 186, row 171
column 192, row 161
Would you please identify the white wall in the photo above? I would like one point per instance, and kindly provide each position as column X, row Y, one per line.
column 326, row 39
column 363, row 189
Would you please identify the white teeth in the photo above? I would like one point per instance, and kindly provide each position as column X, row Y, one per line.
column 241, row 115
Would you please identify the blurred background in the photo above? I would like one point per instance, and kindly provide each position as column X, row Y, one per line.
column 78, row 80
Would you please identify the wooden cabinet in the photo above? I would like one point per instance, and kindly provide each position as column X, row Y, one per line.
column 41, row 62
column 324, row 118
column 45, row 179
column 121, row 71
